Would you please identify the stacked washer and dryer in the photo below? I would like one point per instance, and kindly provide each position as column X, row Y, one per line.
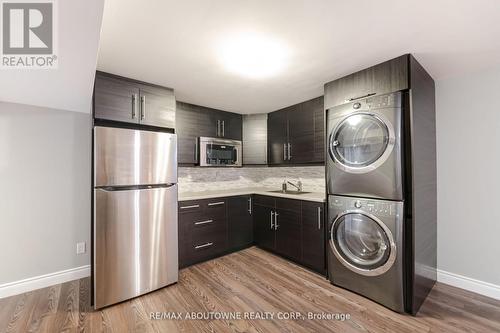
column 373, row 231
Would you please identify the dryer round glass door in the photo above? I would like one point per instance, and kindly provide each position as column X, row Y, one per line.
column 362, row 243
column 361, row 142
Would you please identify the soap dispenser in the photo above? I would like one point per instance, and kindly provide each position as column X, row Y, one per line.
column 283, row 186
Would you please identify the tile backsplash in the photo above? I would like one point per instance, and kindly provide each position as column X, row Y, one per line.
column 196, row 179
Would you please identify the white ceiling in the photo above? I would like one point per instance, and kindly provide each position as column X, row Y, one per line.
column 69, row 87
column 173, row 43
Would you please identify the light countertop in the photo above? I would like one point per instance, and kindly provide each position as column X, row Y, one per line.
column 312, row 196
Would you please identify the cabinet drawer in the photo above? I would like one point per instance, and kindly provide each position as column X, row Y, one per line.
column 214, row 208
column 207, row 247
column 190, row 206
column 208, row 232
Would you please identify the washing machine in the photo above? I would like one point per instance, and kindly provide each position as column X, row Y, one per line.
column 365, row 156
column 365, row 248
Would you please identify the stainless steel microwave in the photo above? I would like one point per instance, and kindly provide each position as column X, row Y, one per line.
column 219, row 152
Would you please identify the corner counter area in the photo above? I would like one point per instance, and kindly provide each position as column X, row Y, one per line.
column 223, row 210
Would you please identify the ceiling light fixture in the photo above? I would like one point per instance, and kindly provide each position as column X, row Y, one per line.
column 252, row 55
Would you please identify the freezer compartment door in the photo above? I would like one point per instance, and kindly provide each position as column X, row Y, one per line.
column 135, row 242
column 125, row 157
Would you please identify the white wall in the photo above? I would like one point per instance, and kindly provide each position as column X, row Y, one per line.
column 468, row 159
column 69, row 87
column 44, row 190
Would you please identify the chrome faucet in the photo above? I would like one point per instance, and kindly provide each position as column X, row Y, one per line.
column 298, row 186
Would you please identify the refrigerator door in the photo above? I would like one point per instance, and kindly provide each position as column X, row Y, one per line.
column 135, row 242
column 125, row 157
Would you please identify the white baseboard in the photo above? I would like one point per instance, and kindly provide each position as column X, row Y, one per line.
column 42, row 281
column 463, row 282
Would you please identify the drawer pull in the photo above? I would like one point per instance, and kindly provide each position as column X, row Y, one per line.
column 203, row 245
column 216, row 203
column 203, row 222
column 192, row 206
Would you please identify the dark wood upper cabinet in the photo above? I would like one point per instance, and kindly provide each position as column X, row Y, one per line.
column 383, row 78
column 313, row 236
column 131, row 101
column 193, row 121
column 277, row 137
column 296, row 134
column 157, row 107
column 240, row 223
column 254, row 139
column 301, row 134
column 230, row 125
column 187, row 133
column 116, row 100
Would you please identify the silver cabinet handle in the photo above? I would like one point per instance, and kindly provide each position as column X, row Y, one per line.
column 284, row 152
column 250, row 205
column 276, row 225
column 192, row 206
column 223, row 128
column 134, row 105
column 203, row 222
column 143, row 107
column 218, row 127
column 289, row 151
column 319, row 218
column 203, row 245
column 216, row 203
column 272, row 220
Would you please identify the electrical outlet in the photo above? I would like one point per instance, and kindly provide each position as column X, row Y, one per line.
column 80, row 248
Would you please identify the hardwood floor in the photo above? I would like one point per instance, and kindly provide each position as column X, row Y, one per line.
column 247, row 281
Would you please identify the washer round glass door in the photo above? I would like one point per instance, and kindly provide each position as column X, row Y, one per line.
column 362, row 243
column 361, row 142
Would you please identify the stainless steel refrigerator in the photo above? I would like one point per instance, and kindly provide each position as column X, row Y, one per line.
column 135, row 213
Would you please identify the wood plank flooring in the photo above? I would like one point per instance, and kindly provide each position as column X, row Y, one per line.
column 247, row 281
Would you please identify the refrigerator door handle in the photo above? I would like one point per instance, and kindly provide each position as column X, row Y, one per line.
column 132, row 188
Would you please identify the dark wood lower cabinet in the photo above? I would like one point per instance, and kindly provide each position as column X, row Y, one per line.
column 202, row 230
column 297, row 232
column 264, row 233
column 313, row 236
column 288, row 233
column 240, row 224
column 292, row 228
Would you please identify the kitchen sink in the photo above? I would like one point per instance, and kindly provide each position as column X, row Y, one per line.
column 288, row 192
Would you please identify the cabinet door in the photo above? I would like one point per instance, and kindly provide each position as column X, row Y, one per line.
column 264, row 233
column 255, row 139
column 317, row 108
column 301, row 133
column 230, row 125
column 157, row 107
column 115, row 99
column 240, row 222
column 186, row 127
column 277, row 137
column 383, row 78
column 207, row 122
column 313, row 236
column 288, row 229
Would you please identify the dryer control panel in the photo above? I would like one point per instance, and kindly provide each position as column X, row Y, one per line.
column 373, row 206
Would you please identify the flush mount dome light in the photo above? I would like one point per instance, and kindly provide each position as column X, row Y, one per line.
column 252, row 55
